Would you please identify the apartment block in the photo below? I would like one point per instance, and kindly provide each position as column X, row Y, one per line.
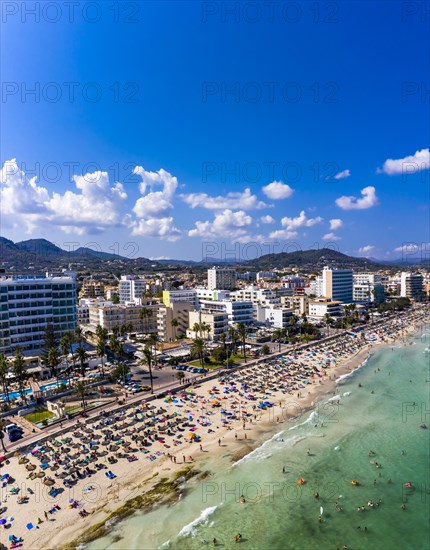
column 411, row 285
column 165, row 314
column 336, row 284
column 223, row 278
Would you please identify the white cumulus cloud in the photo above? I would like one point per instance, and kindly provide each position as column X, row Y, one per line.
column 277, row 190
column 417, row 162
column 368, row 200
column 234, row 200
column 342, row 175
column 153, row 212
column 300, row 221
column 283, row 234
column 335, row 223
column 366, row 250
column 226, row 224
column 331, row 237
column 94, row 206
column 410, row 247
column 267, row 219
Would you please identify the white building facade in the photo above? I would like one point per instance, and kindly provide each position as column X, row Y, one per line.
column 411, row 285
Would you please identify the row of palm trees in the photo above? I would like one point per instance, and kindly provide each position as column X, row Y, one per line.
column 236, row 334
column 18, row 370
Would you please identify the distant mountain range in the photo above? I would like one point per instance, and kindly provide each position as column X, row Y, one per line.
column 39, row 254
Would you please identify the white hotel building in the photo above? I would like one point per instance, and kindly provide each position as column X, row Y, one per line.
column 29, row 303
column 336, row 284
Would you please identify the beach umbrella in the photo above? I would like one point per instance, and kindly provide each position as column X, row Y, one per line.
column 3, row 521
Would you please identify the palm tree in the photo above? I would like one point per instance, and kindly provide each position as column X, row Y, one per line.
column 4, row 380
column 241, row 329
column 180, row 376
column 145, row 314
column 81, row 390
column 147, row 360
column 20, row 372
column 223, row 338
column 113, row 344
column 328, row 320
column 2, row 438
column 82, row 356
column 206, row 329
column 53, row 361
column 197, row 329
column 232, row 332
column 78, row 335
column 64, row 348
column 277, row 335
column 174, row 323
column 152, row 341
column 198, row 348
column 102, row 335
column 265, row 350
column 70, row 336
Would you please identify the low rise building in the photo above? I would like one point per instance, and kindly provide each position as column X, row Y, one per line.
column 180, row 295
column 275, row 317
column 217, row 323
column 167, row 332
column 237, row 312
column 92, row 289
column 323, row 306
column 109, row 315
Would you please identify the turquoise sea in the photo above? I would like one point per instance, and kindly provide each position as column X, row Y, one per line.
column 383, row 415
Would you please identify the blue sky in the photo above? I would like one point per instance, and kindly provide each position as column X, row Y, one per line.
column 187, row 125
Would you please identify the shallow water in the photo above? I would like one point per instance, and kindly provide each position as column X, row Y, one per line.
column 280, row 514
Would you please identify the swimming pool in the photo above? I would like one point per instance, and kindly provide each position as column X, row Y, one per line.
column 46, row 387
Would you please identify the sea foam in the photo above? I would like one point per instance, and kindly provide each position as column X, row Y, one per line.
column 190, row 528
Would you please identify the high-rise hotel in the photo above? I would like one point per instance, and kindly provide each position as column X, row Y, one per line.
column 29, row 303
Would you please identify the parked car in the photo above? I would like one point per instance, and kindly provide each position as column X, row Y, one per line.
column 11, row 427
column 14, row 435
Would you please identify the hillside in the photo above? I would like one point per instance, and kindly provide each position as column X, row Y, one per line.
column 312, row 259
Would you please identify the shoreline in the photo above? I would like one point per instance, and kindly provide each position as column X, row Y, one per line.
column 138, row 483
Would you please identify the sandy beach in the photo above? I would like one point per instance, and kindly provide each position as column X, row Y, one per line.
column 147, row 442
